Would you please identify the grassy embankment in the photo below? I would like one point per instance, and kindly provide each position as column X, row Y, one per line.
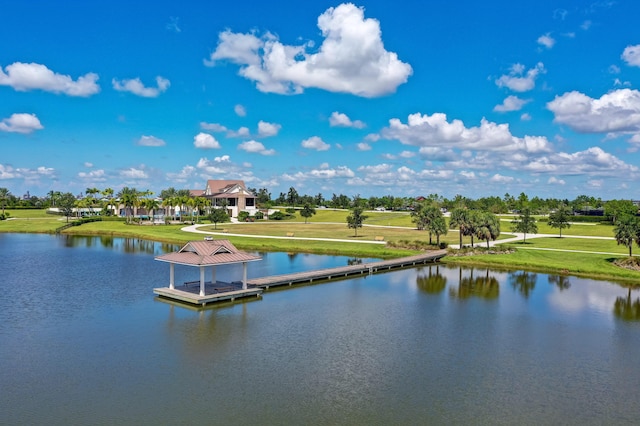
column 331, row 224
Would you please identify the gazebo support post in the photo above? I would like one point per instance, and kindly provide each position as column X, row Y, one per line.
column 202, row 281
column 172, row 274
column 244, row 275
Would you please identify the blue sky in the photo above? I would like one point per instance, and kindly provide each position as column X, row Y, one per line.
column 404, row 98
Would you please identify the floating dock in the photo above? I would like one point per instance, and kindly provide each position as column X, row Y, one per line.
column 218, row 291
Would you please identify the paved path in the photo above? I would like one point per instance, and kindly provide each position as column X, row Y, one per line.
column 194, row 228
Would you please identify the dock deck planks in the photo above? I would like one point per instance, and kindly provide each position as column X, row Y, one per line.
column 346, row 271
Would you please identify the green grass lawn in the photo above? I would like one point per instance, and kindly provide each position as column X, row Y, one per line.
column 567, row 243
column 36, row 221
column 582, row 264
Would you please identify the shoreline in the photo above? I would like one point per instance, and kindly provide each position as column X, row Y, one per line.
column 586, row 264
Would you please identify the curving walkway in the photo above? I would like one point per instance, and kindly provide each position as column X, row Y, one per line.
column 194, row 228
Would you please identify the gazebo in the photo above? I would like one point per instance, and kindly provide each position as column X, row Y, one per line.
column 208, row 253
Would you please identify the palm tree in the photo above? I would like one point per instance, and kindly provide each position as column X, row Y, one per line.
column 438, row 226
column 150, row 204
column 169, row 204
column 4, row 196
column 130, row 198
column 459, row 219
column 108, row 194
column 488, row 227
column 200, row 203
column 626, row 230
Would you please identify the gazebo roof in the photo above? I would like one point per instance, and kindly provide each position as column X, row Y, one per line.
column 208, row 253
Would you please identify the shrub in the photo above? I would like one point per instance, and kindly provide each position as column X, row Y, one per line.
column 276, row 215
column 259, row 215
column 243, row 216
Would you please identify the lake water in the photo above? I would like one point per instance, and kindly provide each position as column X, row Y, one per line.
column 83, row 340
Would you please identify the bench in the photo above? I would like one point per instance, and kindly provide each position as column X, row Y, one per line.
column 188, row 283
column 379, row 238
column 290, row 234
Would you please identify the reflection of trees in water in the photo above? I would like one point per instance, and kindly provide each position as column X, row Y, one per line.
column 523, row 281
column 433, row 283
column 561, row 281
column 483, row 286
column 627, row 309
column 354, row 261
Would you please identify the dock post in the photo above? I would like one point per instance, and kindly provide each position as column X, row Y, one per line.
column 244, row 275
column 172, row 280
column 202, row 281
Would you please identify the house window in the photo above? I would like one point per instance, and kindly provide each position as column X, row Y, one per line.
column 232, row 202
column 250, row 202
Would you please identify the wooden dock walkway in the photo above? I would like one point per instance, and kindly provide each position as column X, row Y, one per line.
column 342, row 272
column 216, row 292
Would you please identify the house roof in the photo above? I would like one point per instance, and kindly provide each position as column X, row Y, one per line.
column 208, row 253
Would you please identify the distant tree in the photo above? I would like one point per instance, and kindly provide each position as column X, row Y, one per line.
column 613, row 209
column 460, row 220
column 151, row 204
column 487, row 227
column 355, row 219
column 626, row 230
column 292, row 196
column 66, row 203
column 560, row 218
column 218, row 216
column 307, row 211
column 130, row 197
column 438, row 226
column 525, row 223
column 4, row 197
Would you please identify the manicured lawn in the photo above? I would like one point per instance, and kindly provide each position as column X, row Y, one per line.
column 589, row 229
column 36, row 221
column 589, row 265
column 327, row 230
column 582, row 244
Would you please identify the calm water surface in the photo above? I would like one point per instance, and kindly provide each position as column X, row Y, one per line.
column 84, row 341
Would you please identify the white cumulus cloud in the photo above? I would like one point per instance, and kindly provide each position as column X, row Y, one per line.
column 150, row 141
column 21, row 123
column 546, row 40
column 351, row 58
column 213, row 127
column 256, row 148
column 136, row 87
column 631, row 55
column 268, row 129
column 133, row 173
column 436, row 131
column 615, row 112
column 240, row 110
column 520, row 81
column 315, row 142
column 510, row 103
column 339, row 119
column 205, row 141
column 24, row 77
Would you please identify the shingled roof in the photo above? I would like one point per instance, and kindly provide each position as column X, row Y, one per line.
column 208, row 253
